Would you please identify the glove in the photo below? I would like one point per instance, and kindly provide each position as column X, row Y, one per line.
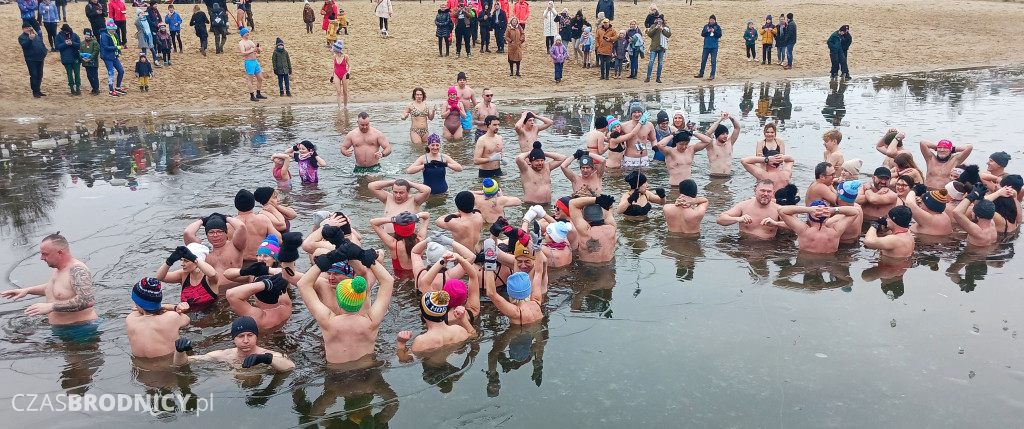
column 605, row 201
column 185, row 253
column 450, row 217
column 496, row 229
column 256, row 270
column 290, row 242
column 977, row 193
column 503, row 224
column 256, row 359
column 579, row 153
column 538, row 242
column 274, row 283
column 633, row 196
column 490, row 255
column 182, row 345
column 495, row 156
column 660, row 192
column 531, row 214
column 441, row 239
column 349, row 250
column 333, row 234
column 644, row 118
column 882, row 222
column 175, row 257
column 368, row 257
column 441, row 164
column 920, row 189
column 324, row 262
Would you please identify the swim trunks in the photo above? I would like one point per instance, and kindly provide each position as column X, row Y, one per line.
column 80, row 333
column 252, row 67
column 490, row 173
column 629, row 162
column 371, row 169
column 477, row 134
column 467, row 122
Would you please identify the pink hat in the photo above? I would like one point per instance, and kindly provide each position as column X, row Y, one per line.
column 944, row 144
column 456, row 291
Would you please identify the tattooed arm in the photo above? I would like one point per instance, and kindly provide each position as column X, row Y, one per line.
column 81, row 283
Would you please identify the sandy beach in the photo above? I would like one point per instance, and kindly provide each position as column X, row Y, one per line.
column 884, row 40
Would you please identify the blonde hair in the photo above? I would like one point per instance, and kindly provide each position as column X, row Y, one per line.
column 832, row 135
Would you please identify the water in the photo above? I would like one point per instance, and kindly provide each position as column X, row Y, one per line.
column 662, row 338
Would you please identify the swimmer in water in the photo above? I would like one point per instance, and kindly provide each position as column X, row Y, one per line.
column 244, row 333
column 637, row 202
column 434, row 313
column 368, row 145
column 940, row 158
column 824, row 226
column 69, row 291
column 687, row 212
column 198, row 278
column 898, row 242
column 453, row 112
column 758, row 216
column 152, row 327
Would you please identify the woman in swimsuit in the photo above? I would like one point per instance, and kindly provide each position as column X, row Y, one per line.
column 420, row 113
column 281, row 173
column 309, row 162
column 453, row 112
column 198, row 279
column 902, row 186
column 406, row 235
column 280, row 216
column 239, row 13
column 433, row 166
column 771, row 141
column 340, row 77
column 906, row 166
column 1008, row 210
column 637, row 202
column 617, row 142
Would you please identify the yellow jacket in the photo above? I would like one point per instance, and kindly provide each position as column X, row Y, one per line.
column 768, row 36
column 332, row 31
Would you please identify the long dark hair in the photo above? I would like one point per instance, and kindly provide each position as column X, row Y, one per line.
column 409, row 241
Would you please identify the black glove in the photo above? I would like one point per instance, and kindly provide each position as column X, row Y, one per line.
column 274, row 283
column 660, row 192
column 256, row 359
column 496, row 229
column 881, row 223
column 333, row 234
column 579, row 153
column 633, row 196
column 185, row 253
column 182, row 345
column 290, row 243
column 920, row 189
column 441, row 164
column 450, row 217
column 349, row 250
column 324, row 262
column 605, row 201
column 503, row 223
column 368, row 257
column 175, row 257
column 977, row 193
column 255, row 270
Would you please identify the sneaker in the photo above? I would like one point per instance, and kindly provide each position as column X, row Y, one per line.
column 167, row 63
column 120, row 91
column 114, row 94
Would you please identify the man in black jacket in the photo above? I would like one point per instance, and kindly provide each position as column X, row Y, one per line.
column 791, row 39
column 500, row 23
column 97, row 14
column 35, row 52
column 606, row 6
column 846, row 40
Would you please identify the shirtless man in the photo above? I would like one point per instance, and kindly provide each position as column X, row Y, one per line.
column 526, row 254
column 776, row 167
column 898, row 243
column 824, row 226
column 270, row 312
column 876, row 198
column 890, row 145
column 942, row 160
column 995, row 170
column 720, row 152
column 152, row 328
column 399, row 200
column 983, row 233
column 679, row 153
column 597, row 137
column 256, row 227
column 69, row 294
column 847, row 197
column 468, row 98
column 482, row 111
column 535, row 173
column 821, row 188
column 635, row 156
column 527, row 129
column 368, row 144
column 353, row 334
column 227, row 252
column 434, row 313
column 244, row 334
column 931, row 219
column 686, row 214
column 250, row 51
column 491, row 202
column 466, row 223
column 595, row 227
column 758, row 216
column 487, row 151
column 591, row 171
column 832, row 154
column 524, row 304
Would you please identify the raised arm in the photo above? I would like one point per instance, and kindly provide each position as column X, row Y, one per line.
column 545, row 122
column 192, row 231
column 377, row 189
column 789, row 213
column 377, row 223
column 576, row 206
column 240, row 237
column 556, row 159
column 422, row 195
column 962, row 152
column 753, row 166
column 385, row 286
column 927, row 150
column 705, row 140
column 960, row 216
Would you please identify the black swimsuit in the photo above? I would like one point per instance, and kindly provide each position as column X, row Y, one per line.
column 764, row 149
column 636, row 210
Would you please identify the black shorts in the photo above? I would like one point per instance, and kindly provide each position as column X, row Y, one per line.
column 490, row 173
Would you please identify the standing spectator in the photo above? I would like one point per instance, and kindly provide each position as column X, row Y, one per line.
column 619, row 53
column 768, row 32
column 153, row 18
column 587, row 45
column 29, row 9
column 35, row 52
column 68, row 44
column 383, row 12
column 499, row 26
column 711, row 33
column 550, row 21
column 250, row 21
column 254, row 73
column 577, row 25
column 635, row 48
column 110, row 53
column 143, row 71
column 750, row 39
column 565, row 27
column 605, row 38
column 514, row 38
column 474, row 21
column 782, row 38
column 342, row 22
column 485, row 22
column 340, row 77
column 162, row 40
column 608, row 7
column 521, row 11
column 97, row 16
column 142, row 34
column 333, row 30
column 200, row 21
column 463, row 26
column 48, row 12
column 173, row 20
column 282, row 67
column 444, row 24
column 838, row 43
column 62, row 9
column 330, row 12
column 653, row 15
column 659, row 34
column 240, row 14
column 90, row 53
column 558, row 54
column 791, row 39
column 219, row 26
column 117, row 13
column 308, row 16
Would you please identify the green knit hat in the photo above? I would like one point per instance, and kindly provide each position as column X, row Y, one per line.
column 351, row 293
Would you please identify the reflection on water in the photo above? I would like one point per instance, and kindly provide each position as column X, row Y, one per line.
column 696, row 322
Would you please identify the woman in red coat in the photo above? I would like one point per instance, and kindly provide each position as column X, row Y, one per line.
column 329, row 12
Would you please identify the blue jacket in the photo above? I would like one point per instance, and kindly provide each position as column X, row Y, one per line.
column 34, row 49
column 173, row 21
column 28, row 8
column 143, row 68
column 108, row 49
column 68, row 47
column 711, row 34
column 48, row 11
column 606, row 6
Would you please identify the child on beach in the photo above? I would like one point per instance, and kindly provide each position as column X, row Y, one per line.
column 304, row 155
column 768, row 32
column 163, row 44
column 308, row 17
column 343, row 21
column 559, row 54
column 587, row 43
column 144, row 70
column 619, row 51
column 173, row 20
column 282, row 67
column 200, row 22
column 281, row 173
column 332, row 31
column 750, row 37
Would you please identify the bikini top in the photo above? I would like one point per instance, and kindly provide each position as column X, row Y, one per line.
column 636, row 210
column 417, row 113
column 764, row 149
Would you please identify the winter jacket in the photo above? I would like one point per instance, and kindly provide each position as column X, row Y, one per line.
column 282, row 62
column 108, row 48
column 792, row 32
column 636, row 45
column 308, row 15
column 153, row 18
column 656, row 35
column 28, row 8
column 605, row 40
column 606, row 6
column 485, row 21
column 117, row 9
column 500, row 20
column 96, row 14
column 559, row 53
column 199, row 21
column 711, row 34
column 768, row 35
column 68, row 45
column 651, row 17
column 750, row 36
column 464, row 19
column 162, row 42
column 521, row 10
column 143, row 68
column 142, row 33
column 173, row 21
column 48, row 12
column 564, row 26
column 513, row 43
column 91, row 47
column 620, row 47
column 219, row 18
column 578, row 24
column 782, row 36
column 846, row 41
column 550, row 23
column 834, row 41
column 383, row 9
column 34, row 49
column 444, row 24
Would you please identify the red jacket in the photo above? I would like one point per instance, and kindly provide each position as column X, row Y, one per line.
column 117, row 9
column 521, row 10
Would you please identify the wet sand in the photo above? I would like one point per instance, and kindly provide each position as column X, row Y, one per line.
column 884, row 40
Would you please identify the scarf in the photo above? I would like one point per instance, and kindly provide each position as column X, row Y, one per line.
column 558, row 246
column 453, row 105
